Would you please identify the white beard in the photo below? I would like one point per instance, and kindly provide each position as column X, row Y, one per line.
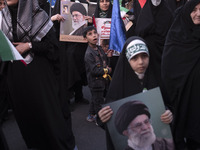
column 141, row 142
column 76, row 25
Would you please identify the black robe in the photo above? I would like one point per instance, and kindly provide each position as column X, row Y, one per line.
column 180, row 73
column 174, row 4
column 35, row 97
column 4, row 104
column 72, row 58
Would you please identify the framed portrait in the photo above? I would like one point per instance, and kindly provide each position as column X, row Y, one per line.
column 65, row 9
column 154, row 102
column 71, row 29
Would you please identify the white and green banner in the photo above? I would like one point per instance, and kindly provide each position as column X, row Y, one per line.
column 7, row 50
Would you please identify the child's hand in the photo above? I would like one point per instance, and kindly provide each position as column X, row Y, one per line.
column 105, row 114
column 167, row 117
column 109, row 53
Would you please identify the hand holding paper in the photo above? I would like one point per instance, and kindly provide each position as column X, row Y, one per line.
column 21, row 47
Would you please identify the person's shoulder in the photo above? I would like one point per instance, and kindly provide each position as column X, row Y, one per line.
column 164, row 144
column 89, row 50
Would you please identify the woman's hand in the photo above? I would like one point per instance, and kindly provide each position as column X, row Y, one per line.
column 105, row 114
column 21, row 47
column 88, row 18
column 167, row 117
column 57, row 17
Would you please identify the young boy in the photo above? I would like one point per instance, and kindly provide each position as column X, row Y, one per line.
column 97, row 70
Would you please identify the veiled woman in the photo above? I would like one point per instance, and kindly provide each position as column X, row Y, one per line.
column 180, row 73
column 34, row 88
column 152, row 22
column 103, row 9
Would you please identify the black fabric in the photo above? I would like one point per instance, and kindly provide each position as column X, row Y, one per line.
column 45, row 6
column 152, row 24
column 65, row 93
column 38, row 110
column 72, row 60
column 75, row 63
column 56, row 10
column 4, row 105
column 98, row 10
column 4, row 93
column 174, row 4
column 95, row 63
column 180, row 67
column 3, row 143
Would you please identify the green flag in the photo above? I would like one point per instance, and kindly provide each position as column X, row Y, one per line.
column 7, row 50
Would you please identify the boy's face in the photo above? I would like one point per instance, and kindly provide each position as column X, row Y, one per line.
column 139, row 62
column 92, row 37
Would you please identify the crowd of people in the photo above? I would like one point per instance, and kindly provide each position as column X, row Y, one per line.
column 161, row 50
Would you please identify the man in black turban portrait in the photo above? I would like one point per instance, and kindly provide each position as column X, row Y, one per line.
column 78, row 14
column 133, row 120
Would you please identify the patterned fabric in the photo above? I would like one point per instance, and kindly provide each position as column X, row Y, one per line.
column 136, row 47
column 103, row 14
column 26, row 30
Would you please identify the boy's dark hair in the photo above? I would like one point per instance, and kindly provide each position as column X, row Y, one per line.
column 87, row 29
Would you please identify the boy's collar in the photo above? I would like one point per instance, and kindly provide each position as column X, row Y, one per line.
column 94, row 48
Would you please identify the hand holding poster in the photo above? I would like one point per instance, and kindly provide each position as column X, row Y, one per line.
column 135, row 112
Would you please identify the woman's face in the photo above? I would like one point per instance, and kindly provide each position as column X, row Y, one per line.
column 2, row 4
column 104, row 4
column 195, row 14
column 12, row 2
